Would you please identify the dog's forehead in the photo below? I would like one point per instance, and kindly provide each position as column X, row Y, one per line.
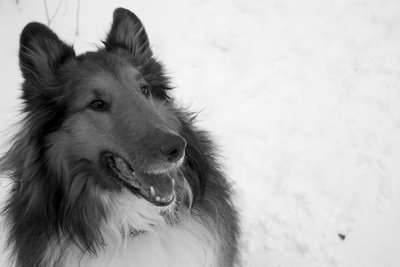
column 129, row 73
column 99, row 70
column 126, row 77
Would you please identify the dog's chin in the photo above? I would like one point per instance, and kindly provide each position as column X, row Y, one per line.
column 157, row 185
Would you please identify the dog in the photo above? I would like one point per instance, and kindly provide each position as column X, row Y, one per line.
column 106, row 170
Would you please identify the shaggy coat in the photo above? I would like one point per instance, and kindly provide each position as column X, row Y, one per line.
column 106, row 169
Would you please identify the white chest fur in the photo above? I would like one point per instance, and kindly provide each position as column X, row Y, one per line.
column 186, row 244
column 168, row 247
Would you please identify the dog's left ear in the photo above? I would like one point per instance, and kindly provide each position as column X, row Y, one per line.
column 41, row 53
column 127, row 32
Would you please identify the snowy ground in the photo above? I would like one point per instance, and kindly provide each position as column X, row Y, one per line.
column 303, row 98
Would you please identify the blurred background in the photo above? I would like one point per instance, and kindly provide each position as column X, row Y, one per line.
column 302, row 97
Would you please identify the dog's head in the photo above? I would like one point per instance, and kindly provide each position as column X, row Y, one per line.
column 108, row 110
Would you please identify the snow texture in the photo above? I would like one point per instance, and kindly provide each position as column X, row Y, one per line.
column 303, row 98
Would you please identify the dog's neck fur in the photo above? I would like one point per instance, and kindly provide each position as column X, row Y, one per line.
column 172, row 237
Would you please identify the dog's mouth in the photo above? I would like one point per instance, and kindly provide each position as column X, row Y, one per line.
column 158, row 189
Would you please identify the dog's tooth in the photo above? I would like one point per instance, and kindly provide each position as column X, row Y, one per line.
column 152, row 191
column 158, row 199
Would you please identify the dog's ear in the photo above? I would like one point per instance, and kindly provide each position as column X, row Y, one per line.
column 127, row 32
column 41, row 53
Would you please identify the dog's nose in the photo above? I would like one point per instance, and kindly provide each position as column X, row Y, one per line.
column 173, row 148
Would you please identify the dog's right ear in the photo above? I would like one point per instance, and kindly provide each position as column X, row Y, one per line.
column 127, row 32
column 41, row 53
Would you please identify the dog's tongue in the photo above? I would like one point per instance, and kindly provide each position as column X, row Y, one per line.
column 157, row 188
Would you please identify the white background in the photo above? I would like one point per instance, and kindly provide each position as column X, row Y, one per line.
column 303, row 98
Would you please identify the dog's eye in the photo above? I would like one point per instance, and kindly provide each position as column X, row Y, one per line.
column 98, row 105
column 145, row 90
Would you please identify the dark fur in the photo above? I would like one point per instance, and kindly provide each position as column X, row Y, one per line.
column 51, row 198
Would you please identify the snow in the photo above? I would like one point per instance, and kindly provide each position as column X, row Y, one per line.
column 303, row 98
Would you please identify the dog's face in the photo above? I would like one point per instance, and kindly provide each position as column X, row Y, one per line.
column 110, row 108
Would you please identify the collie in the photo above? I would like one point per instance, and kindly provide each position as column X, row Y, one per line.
column 106, row 169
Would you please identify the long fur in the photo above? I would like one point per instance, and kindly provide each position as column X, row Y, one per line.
column 59, row 214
